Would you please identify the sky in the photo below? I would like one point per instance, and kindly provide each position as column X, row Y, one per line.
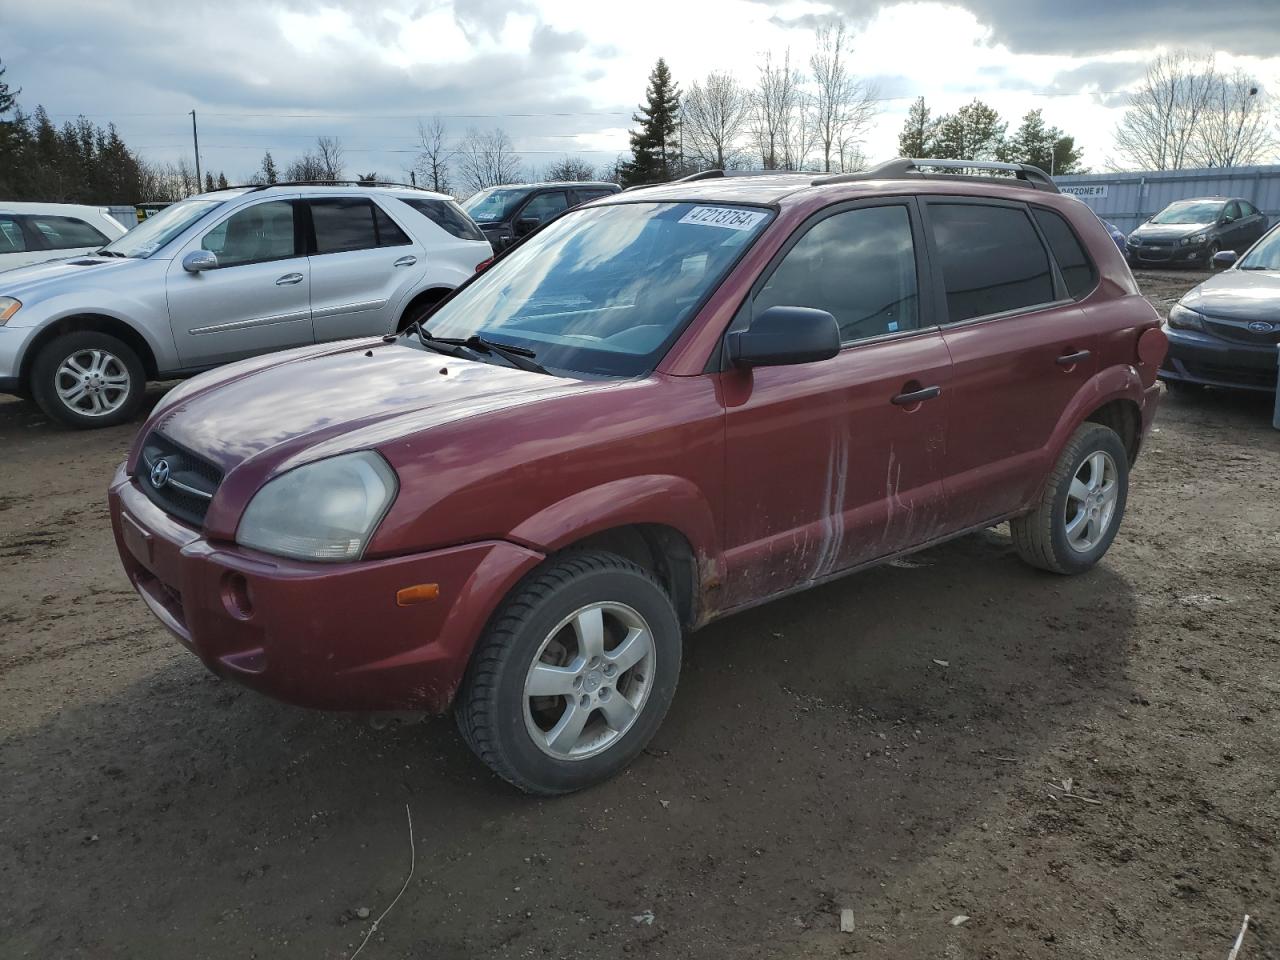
column 563, row 77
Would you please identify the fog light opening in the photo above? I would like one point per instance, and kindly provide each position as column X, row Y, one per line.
column 235, row 596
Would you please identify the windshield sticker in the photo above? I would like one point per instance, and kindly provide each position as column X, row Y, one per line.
column 728, row 218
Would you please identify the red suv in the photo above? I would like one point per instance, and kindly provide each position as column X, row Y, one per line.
column 661, row 408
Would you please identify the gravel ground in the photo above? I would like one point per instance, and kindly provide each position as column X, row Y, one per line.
column 887, row 744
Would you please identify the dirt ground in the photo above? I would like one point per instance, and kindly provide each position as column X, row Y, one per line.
column 885, row 744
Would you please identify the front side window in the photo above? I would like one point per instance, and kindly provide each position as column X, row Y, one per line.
column 255, row 234
column 11, row 238
column 64, row 233
column 158, row 230
column 604, row 291
column 1078, row 271
column 1247, row 209
column 859, row 266
column 1233, row 211
column 544, row 206
column 991, row 257
column 495, row 204
column 1265, row 254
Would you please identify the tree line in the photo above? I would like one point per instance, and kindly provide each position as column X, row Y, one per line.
column 811, row 116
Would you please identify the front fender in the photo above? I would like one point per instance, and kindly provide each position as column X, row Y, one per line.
column 663, row 499
column 144, row 319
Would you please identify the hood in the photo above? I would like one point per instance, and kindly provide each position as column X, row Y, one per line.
column 1169, row 231
column 1238, row 295
column 320, row 401
column 35, row 276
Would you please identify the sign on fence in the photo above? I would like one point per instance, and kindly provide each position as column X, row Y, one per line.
column 1085, row 190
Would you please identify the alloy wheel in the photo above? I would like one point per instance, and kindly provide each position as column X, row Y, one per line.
column 589, row 681
column 1091, row 501
column 92, row 383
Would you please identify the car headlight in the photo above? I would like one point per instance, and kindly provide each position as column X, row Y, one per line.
column 325, row 510
column 1193, row 241
column 1182, row 318
column 8, row 307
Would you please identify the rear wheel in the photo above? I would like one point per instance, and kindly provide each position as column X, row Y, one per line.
column 88, row 379
column 1081, row 507
column 574, row 675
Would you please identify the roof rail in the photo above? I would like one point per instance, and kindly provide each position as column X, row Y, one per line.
column 334, row 183
column 904, row 167
column 716, row 175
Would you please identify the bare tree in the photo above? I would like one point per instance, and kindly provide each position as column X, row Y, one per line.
column 1159, row 128
column 716, row 113
column 331, row 155
column 1234, row 131
column 569, row 169
column 487, row 159
column 436, row 154
column 779, row 110
column 843, row 105
column 309, row 166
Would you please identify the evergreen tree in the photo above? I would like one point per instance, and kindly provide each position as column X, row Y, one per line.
column 919, row 132
column 269, row 174
column 974, row 132
column 222, row 180
column 654, row 146
column 11, row 134
column 208, row 181
column 1043, row 146
column 7, row 99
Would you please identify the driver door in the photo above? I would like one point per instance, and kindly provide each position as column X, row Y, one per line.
column 836, row 463
column 256, row 300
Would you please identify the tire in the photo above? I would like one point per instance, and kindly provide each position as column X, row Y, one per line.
column 536, row 742
column 111, row 369
column 419, row 311
column 1054, row 536
column 1211, row 253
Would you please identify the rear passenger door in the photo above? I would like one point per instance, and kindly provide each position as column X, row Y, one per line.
column 363, row 268
column 835, row 463
column 1020, row 345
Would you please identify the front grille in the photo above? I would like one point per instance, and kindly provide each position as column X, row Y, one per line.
column 184, row 485
column 1240, row 332
column 1243, row 376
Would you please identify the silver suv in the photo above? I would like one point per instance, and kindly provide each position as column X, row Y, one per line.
column 222, row 276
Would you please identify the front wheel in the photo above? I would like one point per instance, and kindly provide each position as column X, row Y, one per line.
column 1081, row 507
column 88, row 379
column 574, row 675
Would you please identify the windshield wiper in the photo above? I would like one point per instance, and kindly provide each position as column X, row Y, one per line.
column 521, row 357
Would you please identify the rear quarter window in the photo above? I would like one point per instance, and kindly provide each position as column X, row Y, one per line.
column 448, row 216
column 1078, row 271
column 65, row 233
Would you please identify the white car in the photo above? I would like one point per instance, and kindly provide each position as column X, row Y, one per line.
column 34, row 232
column 223, row 276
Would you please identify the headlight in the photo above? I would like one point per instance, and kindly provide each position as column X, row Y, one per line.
column 1193, row 241
column 325, row 510
column 8, row 307
column 1183, row 319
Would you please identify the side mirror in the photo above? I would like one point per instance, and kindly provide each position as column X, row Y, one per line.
column 525, row 226
column 782, row 336
column 198, row 260
column 1224, row 258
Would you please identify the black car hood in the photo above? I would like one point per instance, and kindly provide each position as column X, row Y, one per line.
column 1238, row 295
column 1170, row 231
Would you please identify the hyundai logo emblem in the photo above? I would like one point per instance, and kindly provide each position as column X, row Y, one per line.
column 1261, row 326
column 160, row 473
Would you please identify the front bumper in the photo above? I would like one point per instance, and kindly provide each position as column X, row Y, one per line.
column 1200, row 358
column 1167, row 254
column 13, row 345
column 329, row 636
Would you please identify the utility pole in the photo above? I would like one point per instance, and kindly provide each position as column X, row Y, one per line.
column 195, row 139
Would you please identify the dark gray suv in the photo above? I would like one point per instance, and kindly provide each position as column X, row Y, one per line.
column 1193, row 231
column 506, row 214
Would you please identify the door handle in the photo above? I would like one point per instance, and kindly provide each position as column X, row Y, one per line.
column 915, row 396
column 405, row 262
column 289, row 278
column 1071, row 359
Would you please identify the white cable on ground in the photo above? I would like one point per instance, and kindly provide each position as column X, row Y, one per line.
column 412, row 862
column 1239, row 939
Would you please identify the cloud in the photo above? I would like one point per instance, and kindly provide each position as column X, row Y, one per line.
column 548, row 41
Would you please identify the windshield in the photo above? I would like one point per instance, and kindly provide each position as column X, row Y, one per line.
column 604, row 291
column 494, row 204
column 154, row 232
column 1265, row 254
column 1189, row 212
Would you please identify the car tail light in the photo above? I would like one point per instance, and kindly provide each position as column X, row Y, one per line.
column 483, row 265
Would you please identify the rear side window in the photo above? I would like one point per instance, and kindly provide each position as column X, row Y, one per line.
column 1078, row 271
column 991, row 257
column 586, row 195
column 63, row 233
column 389, row 233
column 859, row 266
column 343, row 224
column 448, row 216
column 11, row 238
